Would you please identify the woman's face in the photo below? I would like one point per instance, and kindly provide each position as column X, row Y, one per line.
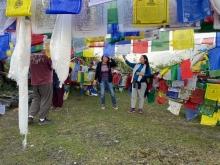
column 142, row 60
column 105, row 59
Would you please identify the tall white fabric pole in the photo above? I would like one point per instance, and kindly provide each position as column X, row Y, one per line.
column 60, row 46
column 19, row 68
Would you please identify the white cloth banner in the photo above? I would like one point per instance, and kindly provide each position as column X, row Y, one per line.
column 91, row 22
column 60, row 46
column 97, row 2
column 41, row 22
column 174, row 107
column 19, row 68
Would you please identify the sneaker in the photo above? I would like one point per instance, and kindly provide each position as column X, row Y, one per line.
column 115, row 107
column 103, row 107
column 140, row 111
column 132, row 110
column 44, row 122
column 30, row 120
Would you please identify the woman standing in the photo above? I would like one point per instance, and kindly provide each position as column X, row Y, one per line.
column 141, row 71
column 104, row 77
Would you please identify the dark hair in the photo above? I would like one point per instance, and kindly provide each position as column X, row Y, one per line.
column 146, row 60
column 106, row 57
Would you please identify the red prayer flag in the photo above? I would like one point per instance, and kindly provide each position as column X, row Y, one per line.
column 140, row 46
column 186, row 71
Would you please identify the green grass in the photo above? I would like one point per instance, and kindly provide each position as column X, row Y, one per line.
column 83, row 134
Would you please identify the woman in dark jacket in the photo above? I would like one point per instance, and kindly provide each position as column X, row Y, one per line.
column 104, row 77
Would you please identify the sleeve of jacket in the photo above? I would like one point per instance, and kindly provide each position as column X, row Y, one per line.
column 113, row 63
column 148, row 72
column 97, row 71
column 132, row 65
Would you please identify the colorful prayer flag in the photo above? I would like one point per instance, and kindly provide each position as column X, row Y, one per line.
column 109, row 50
column 186, row 71
column 140, row 46
column 183, row 39
column 88, row 53
column 153, row 12
column 162, row 43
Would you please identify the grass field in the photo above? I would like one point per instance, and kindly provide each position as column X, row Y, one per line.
column 83, row 134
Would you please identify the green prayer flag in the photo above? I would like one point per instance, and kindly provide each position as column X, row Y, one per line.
column 174, row 72
column 112, row 13
column 161, row 44
column 78, row 54
column 214, row 73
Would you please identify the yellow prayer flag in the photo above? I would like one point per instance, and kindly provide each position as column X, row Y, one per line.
column 150, row 12
column 88, row 53
column 18, row 8
column 164, row 71
column 210, row 121
column 183, row 39
column 213, row 92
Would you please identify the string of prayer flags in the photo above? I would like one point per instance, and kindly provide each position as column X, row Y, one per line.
column 140, row 46
column 64, row 7
column 88, row 53
column 183, row 39
column 186, row 71
column 18, row 8
column 153, row 12
column 214, row 59
column 162, row 43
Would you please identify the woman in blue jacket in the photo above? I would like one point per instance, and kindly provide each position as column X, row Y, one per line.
column 141, row 71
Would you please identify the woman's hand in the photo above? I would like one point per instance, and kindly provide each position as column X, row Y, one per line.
column 140, row 74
